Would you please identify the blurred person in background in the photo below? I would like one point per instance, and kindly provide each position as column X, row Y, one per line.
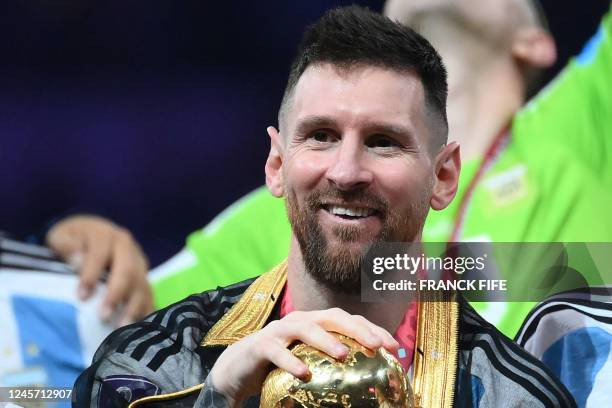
column 571, row 332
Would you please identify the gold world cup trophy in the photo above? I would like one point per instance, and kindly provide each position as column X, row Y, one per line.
column 365, row 378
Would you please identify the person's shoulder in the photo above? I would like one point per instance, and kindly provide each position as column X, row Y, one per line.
column 194, row 315
column 503, row 369
column 162, row 351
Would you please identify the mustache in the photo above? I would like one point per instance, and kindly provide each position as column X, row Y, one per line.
column 363, row 198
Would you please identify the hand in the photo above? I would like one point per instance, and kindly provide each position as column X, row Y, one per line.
column 92, row 245
column 242, row 368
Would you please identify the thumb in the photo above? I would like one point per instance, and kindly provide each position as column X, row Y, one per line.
column 67, row 244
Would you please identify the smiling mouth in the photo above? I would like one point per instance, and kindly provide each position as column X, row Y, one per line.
column 349, row 212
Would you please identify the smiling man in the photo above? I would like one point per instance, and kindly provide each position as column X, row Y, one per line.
column 360, row 157
column 353, row 141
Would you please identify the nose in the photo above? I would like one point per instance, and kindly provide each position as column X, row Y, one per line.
column 348, row 170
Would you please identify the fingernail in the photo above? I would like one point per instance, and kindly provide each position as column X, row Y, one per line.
column 82, row 292
column 340, row 350
column 307, row 376
column 105, row 312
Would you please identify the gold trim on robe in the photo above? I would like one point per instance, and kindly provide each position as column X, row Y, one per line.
column 166, row 397
column 436, row 352
column 251, row 312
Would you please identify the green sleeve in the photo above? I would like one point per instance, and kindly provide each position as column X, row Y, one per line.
column 575, row 110
column 247, row 239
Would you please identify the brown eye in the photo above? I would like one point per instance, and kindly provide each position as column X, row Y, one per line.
column 321, row 136
column 380, row 141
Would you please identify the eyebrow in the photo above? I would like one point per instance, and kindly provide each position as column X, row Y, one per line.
column 313, row 122
column 309, row 123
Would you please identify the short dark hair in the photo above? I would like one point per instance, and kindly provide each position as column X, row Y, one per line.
column 353, row 36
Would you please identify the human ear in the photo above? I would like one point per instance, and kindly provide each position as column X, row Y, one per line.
column 274, row 164
column 534, row 47
column 447, row 168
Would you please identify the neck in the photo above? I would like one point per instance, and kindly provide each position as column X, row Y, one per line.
column 308, row 294
column 480, row 106
column 485, row 86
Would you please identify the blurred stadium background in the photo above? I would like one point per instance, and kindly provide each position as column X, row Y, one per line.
column 153, row 113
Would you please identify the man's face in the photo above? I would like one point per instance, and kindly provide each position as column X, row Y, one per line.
column 356, row 166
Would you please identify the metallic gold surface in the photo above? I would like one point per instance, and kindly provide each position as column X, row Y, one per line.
column 435, row 362
column 365, row 378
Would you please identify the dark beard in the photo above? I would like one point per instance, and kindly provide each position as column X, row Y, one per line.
column 339, row 269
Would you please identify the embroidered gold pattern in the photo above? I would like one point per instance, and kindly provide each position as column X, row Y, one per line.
column 252, row 310
column 435, row 369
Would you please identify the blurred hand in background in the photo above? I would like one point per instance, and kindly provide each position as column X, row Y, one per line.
column 93, row 246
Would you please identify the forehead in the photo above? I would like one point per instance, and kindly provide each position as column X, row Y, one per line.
column 358, row 95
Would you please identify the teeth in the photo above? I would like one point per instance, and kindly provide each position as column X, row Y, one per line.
column 351, row 212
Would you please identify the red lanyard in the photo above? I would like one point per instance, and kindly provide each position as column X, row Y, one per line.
column 495, row 148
